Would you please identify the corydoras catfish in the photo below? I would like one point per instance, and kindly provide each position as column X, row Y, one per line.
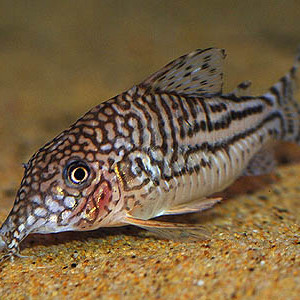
column 160, row 148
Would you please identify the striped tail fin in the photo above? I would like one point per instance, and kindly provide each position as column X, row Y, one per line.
column 284, row 93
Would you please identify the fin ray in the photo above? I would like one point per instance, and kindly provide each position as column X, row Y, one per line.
column 194, row 206
column 172, row 231
column 198, row 73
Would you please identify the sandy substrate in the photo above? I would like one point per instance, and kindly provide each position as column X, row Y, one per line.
column 58, row 60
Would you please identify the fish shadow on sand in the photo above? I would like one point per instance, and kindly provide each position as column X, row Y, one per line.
column 80, row 236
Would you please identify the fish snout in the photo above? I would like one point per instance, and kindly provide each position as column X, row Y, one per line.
column 3, row 245
column 9, row 243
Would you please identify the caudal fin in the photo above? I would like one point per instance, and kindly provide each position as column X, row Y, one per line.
column 283, row 93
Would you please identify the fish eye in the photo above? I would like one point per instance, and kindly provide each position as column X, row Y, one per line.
column 77, row 172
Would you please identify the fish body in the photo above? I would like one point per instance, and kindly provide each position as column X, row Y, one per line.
column 162, row 147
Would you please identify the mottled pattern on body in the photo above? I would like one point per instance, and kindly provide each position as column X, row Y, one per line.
column 160, row 148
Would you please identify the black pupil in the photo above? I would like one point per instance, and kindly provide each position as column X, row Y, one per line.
column 79, row 174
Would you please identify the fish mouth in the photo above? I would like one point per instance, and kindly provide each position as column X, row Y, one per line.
column 10, row 238
column 4, row 249
column 9, row 246
column 7, row 251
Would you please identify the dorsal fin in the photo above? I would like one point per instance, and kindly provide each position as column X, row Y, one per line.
column 198, row 73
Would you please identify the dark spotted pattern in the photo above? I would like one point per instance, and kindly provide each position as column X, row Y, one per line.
column 171, row 139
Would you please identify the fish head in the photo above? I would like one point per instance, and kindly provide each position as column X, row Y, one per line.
column 66, row 186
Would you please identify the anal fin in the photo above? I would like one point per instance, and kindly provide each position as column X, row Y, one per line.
column 193, row 207
column 172, row 231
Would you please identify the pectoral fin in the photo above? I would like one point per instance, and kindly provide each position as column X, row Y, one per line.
column 193, row 207
column 172, row 231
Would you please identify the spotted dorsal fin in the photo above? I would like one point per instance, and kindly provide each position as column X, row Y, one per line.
column 198, row 73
